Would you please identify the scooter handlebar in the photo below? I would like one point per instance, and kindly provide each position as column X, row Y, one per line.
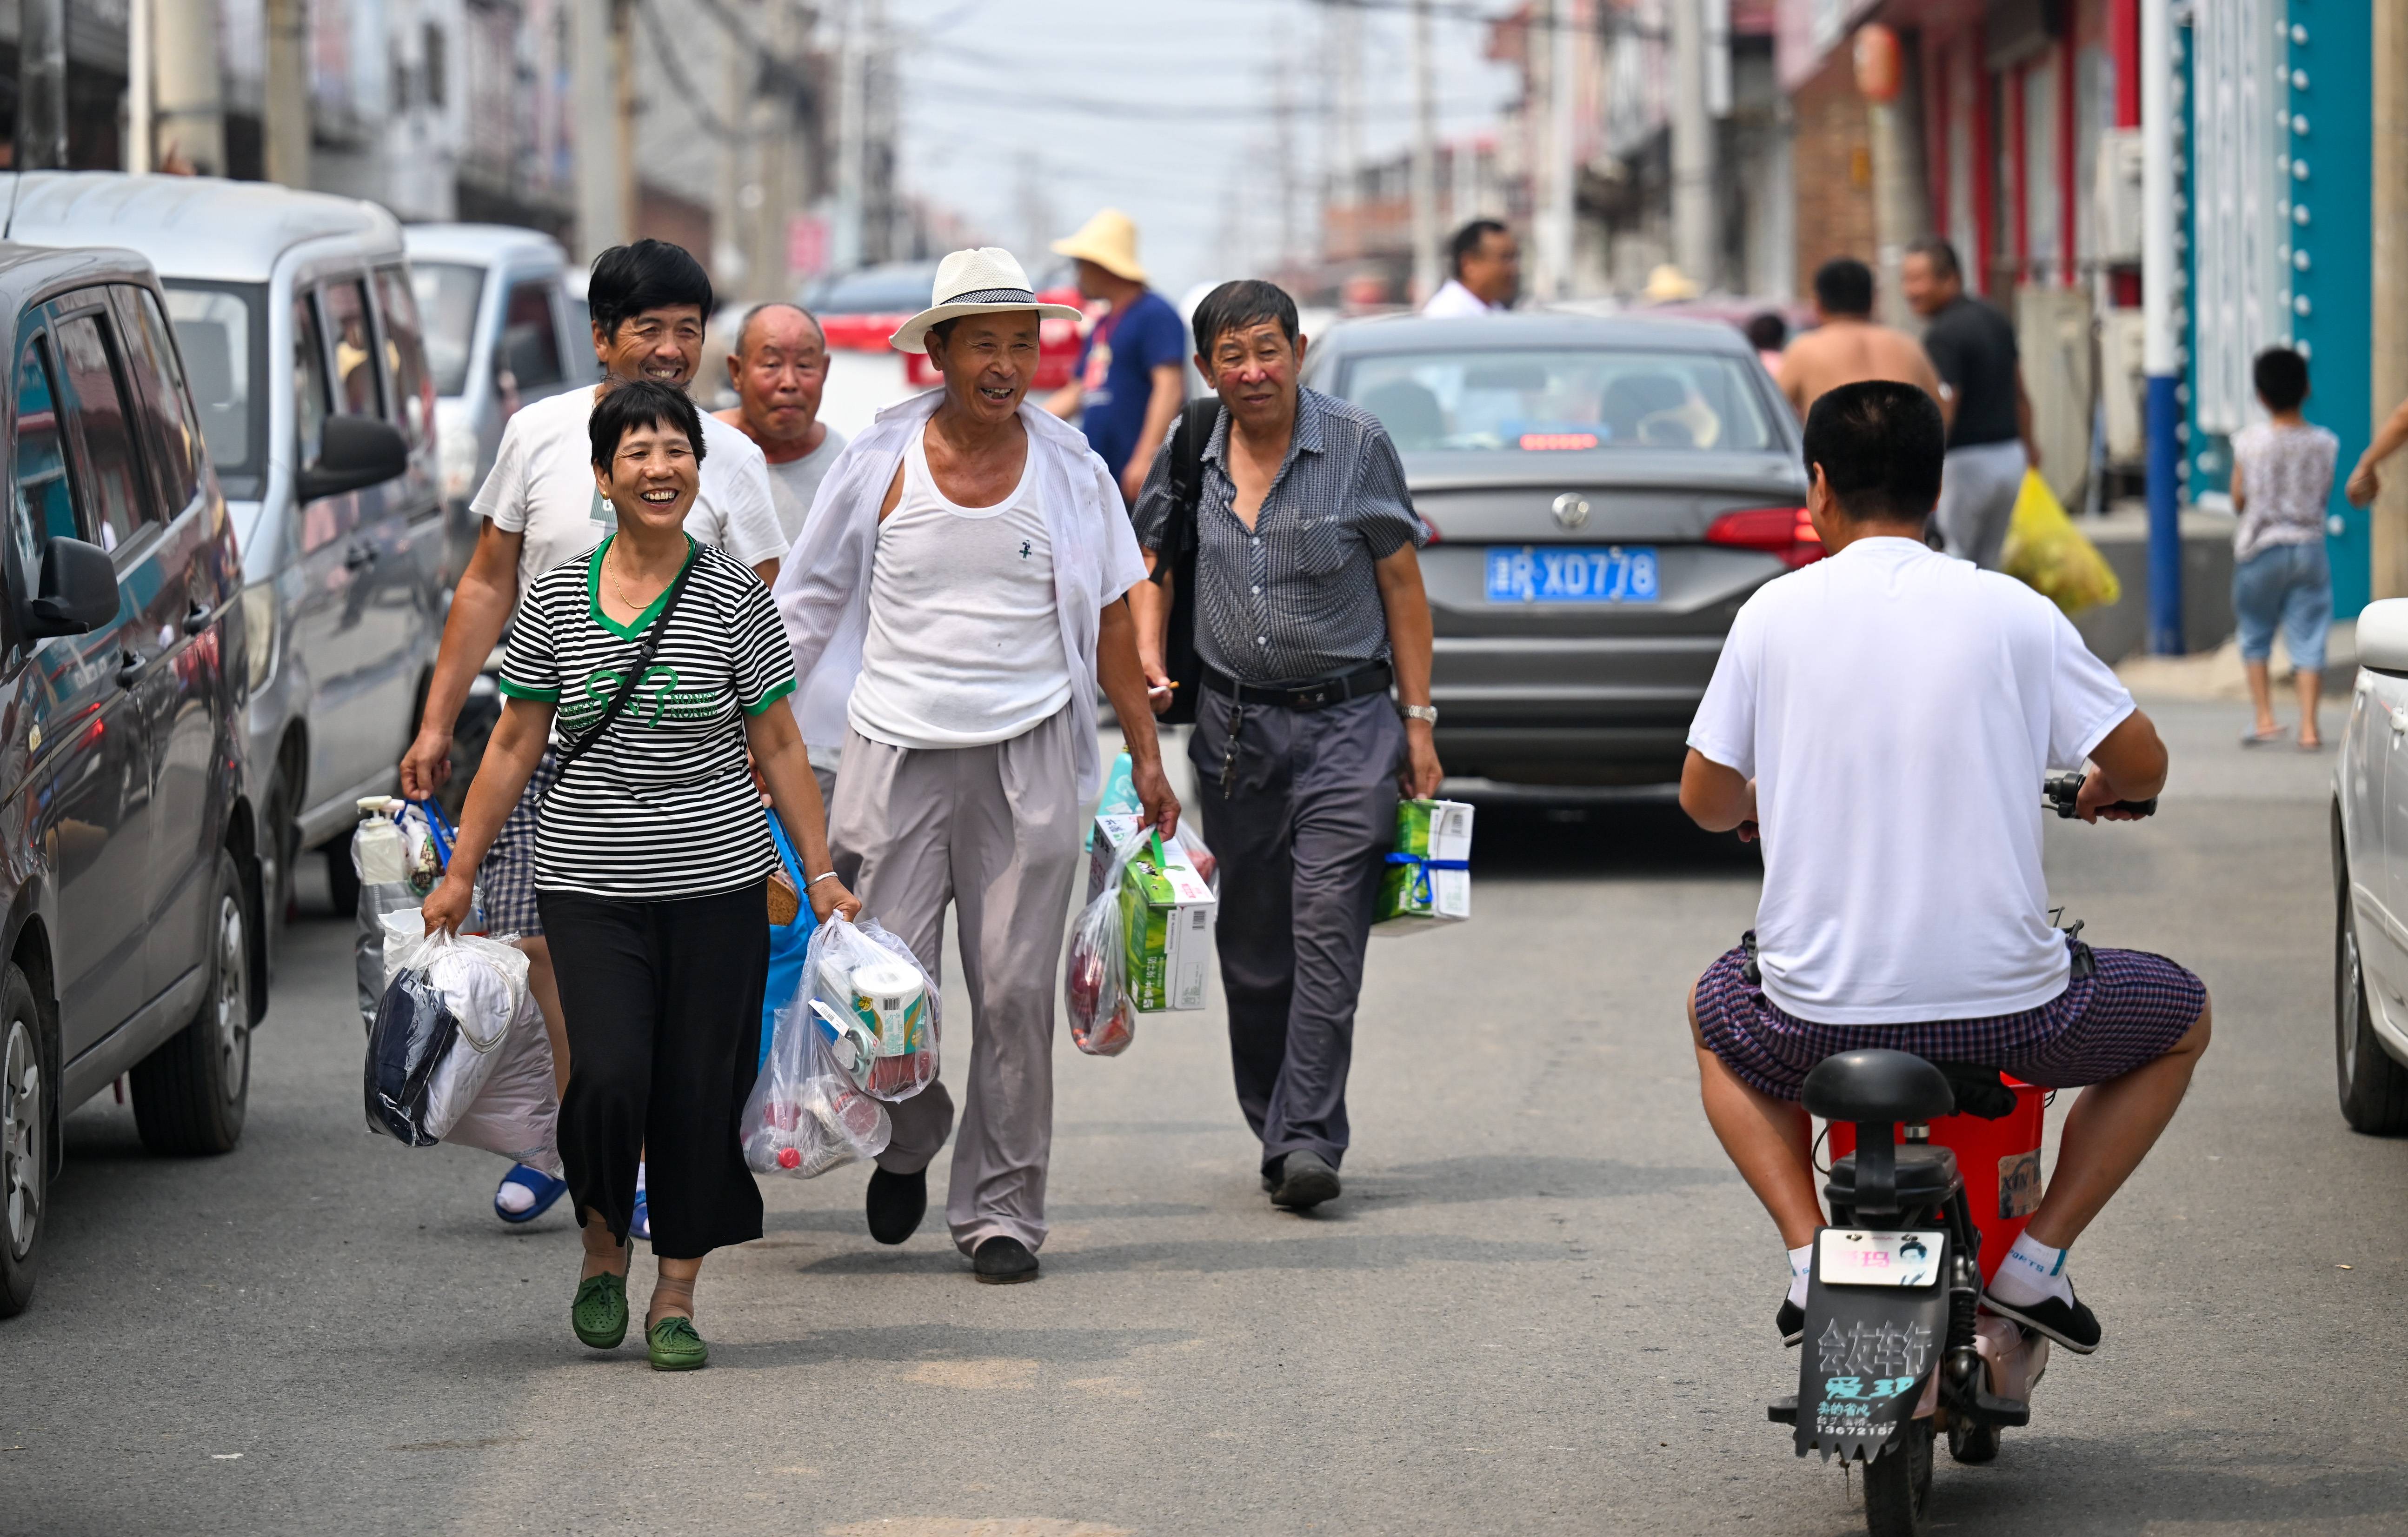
column 2061, row 792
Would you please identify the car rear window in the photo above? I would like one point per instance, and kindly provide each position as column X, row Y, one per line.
column 448, row 294
column 220, row 329
column 1534, row 401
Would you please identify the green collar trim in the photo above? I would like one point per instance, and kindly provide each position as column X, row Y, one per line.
column 593, row 592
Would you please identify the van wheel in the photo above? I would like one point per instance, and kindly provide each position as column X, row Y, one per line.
column 191, row 1094
column 24, row 1141
column 279, row 840
column 2374, row 1087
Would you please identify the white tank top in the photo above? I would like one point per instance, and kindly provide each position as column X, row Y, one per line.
column 965, row 642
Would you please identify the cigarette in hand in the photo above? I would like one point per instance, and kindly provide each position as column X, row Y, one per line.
column 1160, row 690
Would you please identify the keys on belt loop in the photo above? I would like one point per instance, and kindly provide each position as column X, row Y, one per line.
column 1229, row 759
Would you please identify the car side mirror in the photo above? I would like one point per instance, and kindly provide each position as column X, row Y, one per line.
column 78, row 590
column 353, row 453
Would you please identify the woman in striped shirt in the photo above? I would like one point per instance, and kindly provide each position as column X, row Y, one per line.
column 652, row 860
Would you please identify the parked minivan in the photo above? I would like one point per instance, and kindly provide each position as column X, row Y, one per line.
column 130, row 882
column 302, row 336
column 501, row 333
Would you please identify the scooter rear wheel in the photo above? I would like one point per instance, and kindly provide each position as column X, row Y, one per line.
column 1898, row 1483
column 1972, row 1444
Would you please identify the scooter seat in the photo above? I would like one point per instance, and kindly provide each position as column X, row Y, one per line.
column 1927, row 1176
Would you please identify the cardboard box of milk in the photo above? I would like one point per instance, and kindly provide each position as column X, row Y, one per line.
column 1415, row 890
column 1166, row 913
column 1111, row 830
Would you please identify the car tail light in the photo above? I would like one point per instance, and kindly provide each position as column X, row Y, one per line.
column 1783, row 531
column 1431, row 523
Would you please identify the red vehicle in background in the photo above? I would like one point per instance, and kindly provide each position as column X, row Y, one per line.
column 860, row 309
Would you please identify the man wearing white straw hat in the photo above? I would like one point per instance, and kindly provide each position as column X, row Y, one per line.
column 953, row 606
column 1132, row 374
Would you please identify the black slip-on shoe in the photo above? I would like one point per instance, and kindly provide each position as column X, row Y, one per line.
column 895, row 1204
column 1791, row 1321
column 1304, row 1181
column 2064, row 1320
column 1001, row 1261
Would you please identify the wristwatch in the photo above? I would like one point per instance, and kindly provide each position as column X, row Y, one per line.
column 1419, row 712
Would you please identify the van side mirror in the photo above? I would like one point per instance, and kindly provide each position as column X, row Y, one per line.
column 78, row 590
column 353, row 453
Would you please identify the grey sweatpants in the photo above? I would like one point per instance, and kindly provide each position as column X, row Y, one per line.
column 1301, row 842
column 995, row 831
column 1978, row 487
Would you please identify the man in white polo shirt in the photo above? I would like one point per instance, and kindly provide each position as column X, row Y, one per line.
column 1883, row 720
column 541, row 509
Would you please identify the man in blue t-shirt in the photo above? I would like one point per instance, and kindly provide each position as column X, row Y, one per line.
column 1131, row 378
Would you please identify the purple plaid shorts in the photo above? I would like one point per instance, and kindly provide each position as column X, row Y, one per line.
column 2131, row 1011
column 507, row 874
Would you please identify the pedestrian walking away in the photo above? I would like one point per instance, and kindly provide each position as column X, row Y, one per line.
column 1132, row 374
column 2282, row 477
column 1309, row 610
column 1990, row 444
column 542, row 506
column 1845, row 345
column 1903, row 903
column 662, row 660
column 778, row 368
column 1484, row 261
column 953, row 608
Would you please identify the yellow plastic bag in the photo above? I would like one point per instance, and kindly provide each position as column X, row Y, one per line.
column 2045, row 552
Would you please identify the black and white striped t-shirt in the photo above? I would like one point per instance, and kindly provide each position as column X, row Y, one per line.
column 663, row 806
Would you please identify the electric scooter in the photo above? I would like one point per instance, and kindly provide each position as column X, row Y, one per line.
column 1895, row 1349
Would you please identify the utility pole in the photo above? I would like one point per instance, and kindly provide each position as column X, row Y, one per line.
column 41, row 85
column 729, row 269
column 1693, row 240
column 603, row 215
column 188, row 111
column 1283, row 121
column 844, row 240
column 286, row 110
column 140, row 141
column 1562, row 93
column 1424, row 170
column 2389, row 524
column 2159, row 361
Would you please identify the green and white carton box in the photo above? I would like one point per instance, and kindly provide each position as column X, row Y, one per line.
column 1412, row 896
column 1111, row 830
column 1166, row 913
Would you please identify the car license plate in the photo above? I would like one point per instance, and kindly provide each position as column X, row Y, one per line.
column 1849, row 1259
column 1560, row 573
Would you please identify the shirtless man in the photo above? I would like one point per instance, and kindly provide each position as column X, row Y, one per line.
column 1847, row 346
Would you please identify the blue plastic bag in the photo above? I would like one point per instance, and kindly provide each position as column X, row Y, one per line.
column 788, row 944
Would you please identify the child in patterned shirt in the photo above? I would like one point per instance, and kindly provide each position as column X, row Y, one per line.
column 2282, row 477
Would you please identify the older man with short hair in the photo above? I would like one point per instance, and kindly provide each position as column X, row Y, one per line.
column 778, row 368
column 955, row 605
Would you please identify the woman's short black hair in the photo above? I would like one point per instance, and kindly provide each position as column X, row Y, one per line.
column 1768, row 332
column 1239, row 305
column 1880, row 443
column 641, row 403
column 2281, row 375
column 626, row 281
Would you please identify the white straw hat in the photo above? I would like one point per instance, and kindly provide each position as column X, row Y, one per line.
column 977, row 281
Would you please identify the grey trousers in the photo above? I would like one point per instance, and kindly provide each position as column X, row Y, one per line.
column 1300, row 841
column 995, row 831
column 1978, row 487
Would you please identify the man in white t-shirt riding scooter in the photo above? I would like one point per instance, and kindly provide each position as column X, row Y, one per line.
column 1883, row 720
column 539, row 509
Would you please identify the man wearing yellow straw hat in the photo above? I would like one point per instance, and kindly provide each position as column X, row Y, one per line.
column 1130, row 380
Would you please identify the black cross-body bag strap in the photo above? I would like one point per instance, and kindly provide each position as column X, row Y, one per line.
column 569, row 751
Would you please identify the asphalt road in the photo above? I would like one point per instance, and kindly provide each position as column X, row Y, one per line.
column 1543, row 1305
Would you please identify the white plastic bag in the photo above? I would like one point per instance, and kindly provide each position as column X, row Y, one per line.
column 859, row 969
column 806, row 1115
column 1095, row 972
column 516, row 1112
column 398, row 851
column 481, row 985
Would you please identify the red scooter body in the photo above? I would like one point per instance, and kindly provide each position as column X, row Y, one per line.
column 1999, row 1162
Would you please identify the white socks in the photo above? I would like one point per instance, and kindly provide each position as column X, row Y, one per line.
column 1802, row 1261
column 514, row 1198
column 2031, row 1272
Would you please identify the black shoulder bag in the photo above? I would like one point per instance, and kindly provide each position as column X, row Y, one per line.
column 569, row 751
column 1176, row 560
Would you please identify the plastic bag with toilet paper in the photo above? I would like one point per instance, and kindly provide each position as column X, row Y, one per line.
column 448, row 1006
column 875, row 1005
column 807, row 1114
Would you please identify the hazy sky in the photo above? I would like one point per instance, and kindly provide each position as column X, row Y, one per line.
column 1163, row 109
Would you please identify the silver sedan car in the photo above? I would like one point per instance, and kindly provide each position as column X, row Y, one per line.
column 1606, row 492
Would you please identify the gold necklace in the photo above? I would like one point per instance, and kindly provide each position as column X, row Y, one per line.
column 618, row 580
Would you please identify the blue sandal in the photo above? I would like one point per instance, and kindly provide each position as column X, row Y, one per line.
column 542, row 1186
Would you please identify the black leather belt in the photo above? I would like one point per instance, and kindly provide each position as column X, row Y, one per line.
column 1314, row 694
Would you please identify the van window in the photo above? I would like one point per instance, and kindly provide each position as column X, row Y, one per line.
column 530, row 339
column 101, row 421
column 214, row 330
column 359, row 378
column 45, row 504
column 405, row 358
column 309, row 407
column 169, row 433
column 448, row 294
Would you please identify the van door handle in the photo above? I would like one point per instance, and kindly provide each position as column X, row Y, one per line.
column 198, row 618
column 129, row 667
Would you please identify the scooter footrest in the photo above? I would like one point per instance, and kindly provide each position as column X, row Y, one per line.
column 1782, row 1410
column 1992, row 1410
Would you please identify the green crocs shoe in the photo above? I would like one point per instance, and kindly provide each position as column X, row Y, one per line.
column 676, row 1347
column 599, row 1314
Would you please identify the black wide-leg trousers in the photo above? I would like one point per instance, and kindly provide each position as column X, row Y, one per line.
column 662, row 1001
